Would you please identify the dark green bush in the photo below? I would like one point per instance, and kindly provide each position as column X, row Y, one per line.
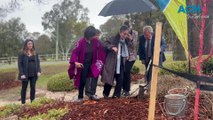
column 60, row 82
column 208, row 66
column 178, row 66
column 135, row 70
column 7, row 76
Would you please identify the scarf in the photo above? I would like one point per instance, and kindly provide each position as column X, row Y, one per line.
column 122, row 52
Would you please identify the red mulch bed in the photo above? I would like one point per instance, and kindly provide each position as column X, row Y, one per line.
column 111, row 109
column 10, row 84
column 135, row 77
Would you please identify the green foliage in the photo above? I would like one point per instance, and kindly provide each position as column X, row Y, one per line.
column 111, row 27
column 53, row 114
column 44, row 45
column 60, row 82
column 7, row 76
column 11, row 37
column 208, row 66
column 39, row 102
column 9, row 109
column 67, row 20
column 135, row 70
column 178, row 66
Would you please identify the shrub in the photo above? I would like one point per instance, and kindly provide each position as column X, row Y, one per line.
column 208, row 66
column 178, row 66
column 135, row 70
column 60, row 82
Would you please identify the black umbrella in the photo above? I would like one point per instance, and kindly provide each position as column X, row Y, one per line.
column 118, row 7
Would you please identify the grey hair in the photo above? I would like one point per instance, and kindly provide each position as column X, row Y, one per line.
column 148, row 28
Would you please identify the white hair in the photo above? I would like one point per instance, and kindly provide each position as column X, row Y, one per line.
column 147, row 28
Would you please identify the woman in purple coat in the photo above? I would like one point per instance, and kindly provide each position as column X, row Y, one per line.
column 86, row 61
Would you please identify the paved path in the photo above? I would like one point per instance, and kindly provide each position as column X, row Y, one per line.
column 67, row 96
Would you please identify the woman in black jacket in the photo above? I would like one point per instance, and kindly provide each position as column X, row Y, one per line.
column 29, row 69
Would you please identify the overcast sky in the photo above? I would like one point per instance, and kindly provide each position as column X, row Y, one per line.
column 31, row 13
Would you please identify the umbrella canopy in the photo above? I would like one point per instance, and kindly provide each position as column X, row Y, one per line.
column 118, row 7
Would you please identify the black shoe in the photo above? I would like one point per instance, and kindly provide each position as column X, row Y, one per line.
column 126, row 94
column 105, row 96
column 114, row 96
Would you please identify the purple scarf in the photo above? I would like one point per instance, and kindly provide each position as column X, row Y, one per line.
column 78, row 55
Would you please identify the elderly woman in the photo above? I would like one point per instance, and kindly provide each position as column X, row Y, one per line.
column 29, row 69
column 86, row 61
column 117, row 53
column 132, row 48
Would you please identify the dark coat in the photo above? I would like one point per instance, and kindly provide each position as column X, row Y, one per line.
column 111, row 60
column 23, row 65
column 141, row 49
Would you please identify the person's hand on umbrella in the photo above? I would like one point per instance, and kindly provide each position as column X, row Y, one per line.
column 115, row 49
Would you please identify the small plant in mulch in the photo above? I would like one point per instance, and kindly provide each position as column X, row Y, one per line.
column 38, row 103
column 52, row 114
column 135, row 75
column 135, row 70
column 10, row 109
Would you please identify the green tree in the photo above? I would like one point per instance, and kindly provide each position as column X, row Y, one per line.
column 12, row 34
column 71, row 18
column 44, row 45
column 111, row 26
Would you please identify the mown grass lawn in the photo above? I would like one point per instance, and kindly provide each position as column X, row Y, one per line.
column 48, row 69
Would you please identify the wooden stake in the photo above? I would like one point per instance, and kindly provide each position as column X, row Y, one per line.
column 154, row 79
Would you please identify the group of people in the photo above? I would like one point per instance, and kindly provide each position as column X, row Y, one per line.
column 112, row 59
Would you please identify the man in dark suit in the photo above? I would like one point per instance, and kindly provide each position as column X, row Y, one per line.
column 146, row 51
